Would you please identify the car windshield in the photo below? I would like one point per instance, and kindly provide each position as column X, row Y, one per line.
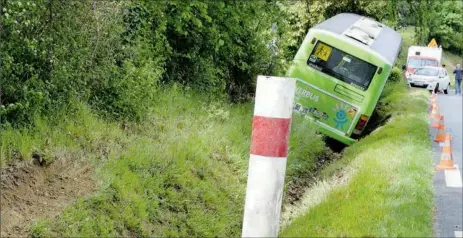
column 427, row 72
column 341, row 65
column 416, row 63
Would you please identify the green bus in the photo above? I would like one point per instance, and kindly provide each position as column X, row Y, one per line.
column 341, row 69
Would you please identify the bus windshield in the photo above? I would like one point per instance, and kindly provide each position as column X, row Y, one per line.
column 341, row 65
column 416, row 62
column 427, row 72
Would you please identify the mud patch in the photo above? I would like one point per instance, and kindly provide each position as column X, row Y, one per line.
column 297, row 187
column 314, row 195
column 30, row 192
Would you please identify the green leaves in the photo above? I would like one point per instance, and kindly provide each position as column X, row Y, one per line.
column 112, row 55
column 445, row 24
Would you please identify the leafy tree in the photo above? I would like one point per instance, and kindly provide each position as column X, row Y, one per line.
column 114, row 55
column 446, row 25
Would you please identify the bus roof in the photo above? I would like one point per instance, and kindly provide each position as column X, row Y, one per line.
column 387, row 42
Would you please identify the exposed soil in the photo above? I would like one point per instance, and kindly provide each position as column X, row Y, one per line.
column 31, row 191
column 297, row 187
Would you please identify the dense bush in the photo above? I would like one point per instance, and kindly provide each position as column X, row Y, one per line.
column 446, row 25
column 396, row 75
column 221, row 45
column 54, row 52
column 112, row 55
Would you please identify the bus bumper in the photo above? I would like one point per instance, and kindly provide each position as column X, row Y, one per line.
column 341, row 138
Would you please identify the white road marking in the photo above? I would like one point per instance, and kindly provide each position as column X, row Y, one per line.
column 453, row 178
column 458, row 233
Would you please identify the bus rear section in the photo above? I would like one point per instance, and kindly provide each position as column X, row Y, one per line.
column 332, row 90
column 342, row 67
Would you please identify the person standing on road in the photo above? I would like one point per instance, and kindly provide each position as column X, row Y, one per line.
column 458, row 76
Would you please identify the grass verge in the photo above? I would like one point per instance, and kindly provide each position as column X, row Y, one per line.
column 70, row 130
column 181, row 172
column 390, row 193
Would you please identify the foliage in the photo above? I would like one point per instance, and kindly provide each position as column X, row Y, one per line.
column 219, row 46
column 396, row 75
column 446, row 25
column 75, row 50
column 182, row 172
column 25, row 58
column 113, row 55
column 299, row 17
column 439, row 20
column 179, row 172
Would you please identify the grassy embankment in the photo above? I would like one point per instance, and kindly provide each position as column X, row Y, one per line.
column 182, row 172
column 389, row 192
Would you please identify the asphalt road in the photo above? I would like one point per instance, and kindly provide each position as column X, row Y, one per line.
column 447, row 184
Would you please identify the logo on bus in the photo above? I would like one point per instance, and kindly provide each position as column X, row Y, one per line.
column 342, row 114
column 298, row 108
column 308, row 94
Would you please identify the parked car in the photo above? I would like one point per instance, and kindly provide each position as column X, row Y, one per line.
column 430, row 77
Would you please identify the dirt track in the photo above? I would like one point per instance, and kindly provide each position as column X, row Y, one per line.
column 29, row 192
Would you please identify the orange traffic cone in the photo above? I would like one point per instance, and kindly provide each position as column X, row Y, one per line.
column 446, row 159
column 440, row 137
column 435, row 113
column 440, row 123
column 436, row 123
column 433, row 104
column 433, row 98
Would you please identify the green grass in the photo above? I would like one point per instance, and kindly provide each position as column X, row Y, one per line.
column 391, row 192
column 180, row 172
column 70, row 130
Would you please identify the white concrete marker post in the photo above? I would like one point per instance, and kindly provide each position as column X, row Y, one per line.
column 269, row 148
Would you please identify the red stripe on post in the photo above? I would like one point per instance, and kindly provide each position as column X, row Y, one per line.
column 270, row 136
